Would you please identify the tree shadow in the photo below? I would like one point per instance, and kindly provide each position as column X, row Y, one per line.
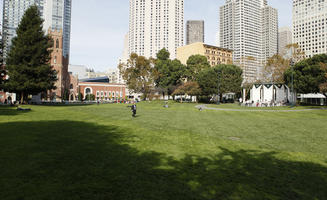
column 10, row 111
column 77, row 160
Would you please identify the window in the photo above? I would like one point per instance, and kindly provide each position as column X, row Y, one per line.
column 57, row 44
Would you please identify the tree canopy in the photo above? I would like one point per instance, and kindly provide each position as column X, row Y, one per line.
column 138, row 74
column 275, row 69
column 28, row 62
column 309, row 75
column 195, row 64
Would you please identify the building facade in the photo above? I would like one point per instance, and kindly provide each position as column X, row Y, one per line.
column 284, row 39
column 154, row 25
column 215, row 55
column 310, row 26
column 250, row 29
column 13, row 12
column 194, row 31
column 103, row 91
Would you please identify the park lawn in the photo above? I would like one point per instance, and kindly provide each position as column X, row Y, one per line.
column 101, row 152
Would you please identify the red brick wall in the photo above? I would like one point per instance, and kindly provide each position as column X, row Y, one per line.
column 105, row 91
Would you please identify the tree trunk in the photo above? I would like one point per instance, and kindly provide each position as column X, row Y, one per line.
column 22, row 98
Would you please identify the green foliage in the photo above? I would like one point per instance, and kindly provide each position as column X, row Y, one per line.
column 2, row 70
column 308, row 74
column 227, row 77
column 66, row 95
column 195, row 64
column 188, row 88
column 28, row 60
column 138, row 74
column 90, row 97
column 168, row 73
column 80, row 97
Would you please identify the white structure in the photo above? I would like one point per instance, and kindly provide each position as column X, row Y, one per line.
column 154, row 25
column 309, row 26
column 250, row 29
column 313, row 99
column 284, row 38
column 56, row 15
column 277, row 94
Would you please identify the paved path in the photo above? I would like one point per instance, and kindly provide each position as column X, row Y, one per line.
column 204, row 107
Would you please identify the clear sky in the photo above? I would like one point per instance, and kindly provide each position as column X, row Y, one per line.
column 99, row 27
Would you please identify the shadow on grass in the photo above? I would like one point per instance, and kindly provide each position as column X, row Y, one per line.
column 9, row 111
column 76, row 160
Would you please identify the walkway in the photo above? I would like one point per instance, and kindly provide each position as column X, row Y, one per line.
column 204, row 107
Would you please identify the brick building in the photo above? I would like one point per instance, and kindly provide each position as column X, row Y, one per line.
column 102, row 90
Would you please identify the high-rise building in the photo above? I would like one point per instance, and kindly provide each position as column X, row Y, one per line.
column 194, row 31
column 154, row 25
column 284, row 39
column 56, row 15
column 310, row 26
column 13, row 12
column 250, row 29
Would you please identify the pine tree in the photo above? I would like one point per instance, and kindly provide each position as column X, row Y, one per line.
column 28, row 62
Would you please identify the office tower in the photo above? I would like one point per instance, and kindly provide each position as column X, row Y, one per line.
column 284, row 38
column 154, row 25
column 250, row 29
column 13, row 12
column 309, row 26
column 57, row 17
column 194, row 31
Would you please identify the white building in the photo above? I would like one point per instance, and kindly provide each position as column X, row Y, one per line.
column 194, row 31
column 250, row 29
column 309, row 26
column 154, row 25
column 56, row 15
column 284, row 38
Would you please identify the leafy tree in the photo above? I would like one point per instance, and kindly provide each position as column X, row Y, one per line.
column 90, row 97
column 196, row 64
column 168, row 73
column 66, row 95
column 138, row 74
column 275, row 69
column 297, row 54
column 188, row 88
column 309, row 75
column 80, row 97
column 227, row 77
column 2, row 69
column 28, row 61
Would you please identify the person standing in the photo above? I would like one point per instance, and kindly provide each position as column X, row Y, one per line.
column 134, row 110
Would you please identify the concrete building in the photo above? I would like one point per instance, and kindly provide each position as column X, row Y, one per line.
column 194, row 31
column 215, row 55
column 310, row 26
column 56, row 15
column 284, row 38
column 78, row 70
column 154, row 25
column 13, row 12
column 250, row 29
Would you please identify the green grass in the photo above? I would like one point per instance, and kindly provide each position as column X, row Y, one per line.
column 101, row 152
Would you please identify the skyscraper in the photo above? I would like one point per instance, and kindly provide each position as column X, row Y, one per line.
column 13, row 12
column 56, row 15
column 284, row 38
column 194, row 31
column 250, row 29
column 310, row 26
column 154, row 25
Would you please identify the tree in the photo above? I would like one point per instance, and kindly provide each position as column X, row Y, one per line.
column 138, row 74
column 2, row 69
column 275, row 69
column 90, row 97
column 28, row 61
column 195, row 64
column 168, row 73
column 309, row 75
column 188, row 88
column 227, row 77
column 80, row 97
column 297, row 54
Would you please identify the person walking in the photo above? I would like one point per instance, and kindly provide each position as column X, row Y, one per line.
column 134, row 110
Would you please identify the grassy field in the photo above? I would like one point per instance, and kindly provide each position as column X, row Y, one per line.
column 179, row 153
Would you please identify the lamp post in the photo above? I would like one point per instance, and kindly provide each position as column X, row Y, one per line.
column 292, row 80
column 218, row 99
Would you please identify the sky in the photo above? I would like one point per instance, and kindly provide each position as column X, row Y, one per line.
column 99, row 27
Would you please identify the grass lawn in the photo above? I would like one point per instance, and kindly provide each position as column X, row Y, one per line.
column 180, row 153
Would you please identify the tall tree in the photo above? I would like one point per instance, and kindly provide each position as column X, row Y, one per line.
column 297, row 54
column 2, row 69
column 28, row 62
column 138, row 74
column 227, row 77
column 309, row 75
column 275, row 69
column 168, row 73
column 189, row 88
column 195, row 64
